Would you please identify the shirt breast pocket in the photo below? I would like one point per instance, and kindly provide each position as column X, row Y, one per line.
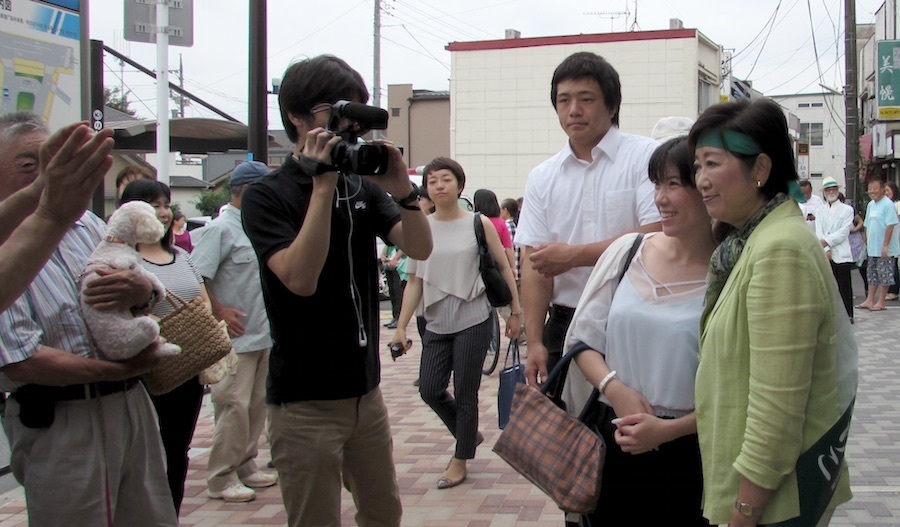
column 243, row 255
column 618, row 212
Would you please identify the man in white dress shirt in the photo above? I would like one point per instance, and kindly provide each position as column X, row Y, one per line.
column 833, row 223
column 578, row 201
column 811, row 207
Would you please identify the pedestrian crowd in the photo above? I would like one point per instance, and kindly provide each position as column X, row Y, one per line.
column 710, row 285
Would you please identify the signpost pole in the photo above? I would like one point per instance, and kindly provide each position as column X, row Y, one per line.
column 162, row 90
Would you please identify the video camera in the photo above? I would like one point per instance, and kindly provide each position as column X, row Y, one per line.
column 349, row 156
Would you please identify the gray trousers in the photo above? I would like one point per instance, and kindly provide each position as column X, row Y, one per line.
column 65, row 467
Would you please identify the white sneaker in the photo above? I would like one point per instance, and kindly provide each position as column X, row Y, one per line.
column 260, row 479
column 237, row 493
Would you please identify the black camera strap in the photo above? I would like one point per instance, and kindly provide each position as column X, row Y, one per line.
column 311, row 167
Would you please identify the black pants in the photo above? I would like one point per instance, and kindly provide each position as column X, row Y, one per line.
column 461, row 353
column 554, row 338
column 178, row 411
column 395, row 290
column 864, row 272
column 661, row 487
column 845, row 287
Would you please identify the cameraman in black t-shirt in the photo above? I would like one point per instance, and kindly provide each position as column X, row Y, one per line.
column 314, row 233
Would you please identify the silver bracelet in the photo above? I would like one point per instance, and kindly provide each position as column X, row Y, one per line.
column 606, row 380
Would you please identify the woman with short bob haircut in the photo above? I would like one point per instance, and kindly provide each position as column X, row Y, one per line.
column 449, row 289
column 777, row 376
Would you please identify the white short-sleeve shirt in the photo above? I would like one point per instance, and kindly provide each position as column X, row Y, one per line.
column 574, row 202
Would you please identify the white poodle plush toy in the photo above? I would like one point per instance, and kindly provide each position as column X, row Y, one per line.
column 118, row 333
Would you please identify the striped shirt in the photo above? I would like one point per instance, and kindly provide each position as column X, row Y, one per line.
column 48, row 313
column 511, row 225
column 178, row 276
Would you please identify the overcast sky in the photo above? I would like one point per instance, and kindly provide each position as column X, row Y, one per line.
column 774, row 49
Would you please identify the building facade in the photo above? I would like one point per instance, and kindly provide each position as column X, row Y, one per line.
column 428, row 114
column 502, row 123
column 821, row 127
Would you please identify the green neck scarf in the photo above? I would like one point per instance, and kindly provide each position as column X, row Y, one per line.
column 727, row 254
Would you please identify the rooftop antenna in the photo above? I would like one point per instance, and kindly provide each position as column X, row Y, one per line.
column 634, row 23
column 611, row 15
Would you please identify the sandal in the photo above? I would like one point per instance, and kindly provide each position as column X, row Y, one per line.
column 877, row 308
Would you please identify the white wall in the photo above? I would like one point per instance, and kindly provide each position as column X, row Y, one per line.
column 184, row 197
column 502, row 123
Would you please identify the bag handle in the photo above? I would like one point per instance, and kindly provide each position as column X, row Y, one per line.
column 559, row 371
column 169, row 297
column 514, row 349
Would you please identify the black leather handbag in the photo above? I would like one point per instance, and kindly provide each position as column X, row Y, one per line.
column 498, row 292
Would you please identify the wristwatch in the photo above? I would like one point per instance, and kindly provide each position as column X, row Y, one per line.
column 410, row 202
column 746, row 510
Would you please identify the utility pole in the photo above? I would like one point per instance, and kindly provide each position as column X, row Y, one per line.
column 257, row 124
column 179, row 99
column 851, row 103
column 376, row 75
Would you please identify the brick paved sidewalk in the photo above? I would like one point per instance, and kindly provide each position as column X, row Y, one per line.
column 495, row 496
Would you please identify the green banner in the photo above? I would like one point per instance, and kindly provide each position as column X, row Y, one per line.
column 888, row 80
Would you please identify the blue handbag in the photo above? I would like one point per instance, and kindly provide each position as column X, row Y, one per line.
column 509, row 377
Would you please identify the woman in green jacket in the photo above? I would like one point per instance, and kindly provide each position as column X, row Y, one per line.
column 777, row 375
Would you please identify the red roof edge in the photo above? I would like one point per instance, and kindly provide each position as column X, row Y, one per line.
column 510, row 43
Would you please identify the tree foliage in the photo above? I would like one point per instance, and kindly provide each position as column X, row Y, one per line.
column 210, row 201
column 114, row 98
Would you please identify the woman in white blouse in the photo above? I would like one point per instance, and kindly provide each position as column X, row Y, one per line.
column 645, row 330
column 457, row 314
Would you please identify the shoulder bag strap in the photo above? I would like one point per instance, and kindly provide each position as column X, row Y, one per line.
column 479, row 231
column 562, row 367
column 631, row 252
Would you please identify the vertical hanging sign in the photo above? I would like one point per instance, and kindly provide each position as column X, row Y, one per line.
column 888, row 80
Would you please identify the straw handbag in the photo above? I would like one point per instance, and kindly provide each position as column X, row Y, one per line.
column 202, row 342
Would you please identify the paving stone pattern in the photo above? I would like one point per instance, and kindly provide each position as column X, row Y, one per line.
column 495, row 496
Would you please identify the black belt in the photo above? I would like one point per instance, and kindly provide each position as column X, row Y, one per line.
column 561, row 312
column 77, row 392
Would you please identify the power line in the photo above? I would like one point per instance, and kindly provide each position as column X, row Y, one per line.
column 430, row 31
column 445, row 22
column 439, row 61
column 291, row 46
column 750, row 44
column 819, row 66
column 413, row 50
column 130, row 90
column 763, row 46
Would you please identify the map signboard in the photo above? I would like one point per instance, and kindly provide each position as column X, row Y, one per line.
column 40, row 59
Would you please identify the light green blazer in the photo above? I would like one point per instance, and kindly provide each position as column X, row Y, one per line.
column 766, row 387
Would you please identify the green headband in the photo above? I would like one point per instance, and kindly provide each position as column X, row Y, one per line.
column 740, row 143
column 730, row 140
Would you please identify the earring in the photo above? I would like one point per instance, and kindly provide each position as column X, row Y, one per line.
column 758, row 184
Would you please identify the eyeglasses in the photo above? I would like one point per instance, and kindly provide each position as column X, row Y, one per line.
column 321, row 107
